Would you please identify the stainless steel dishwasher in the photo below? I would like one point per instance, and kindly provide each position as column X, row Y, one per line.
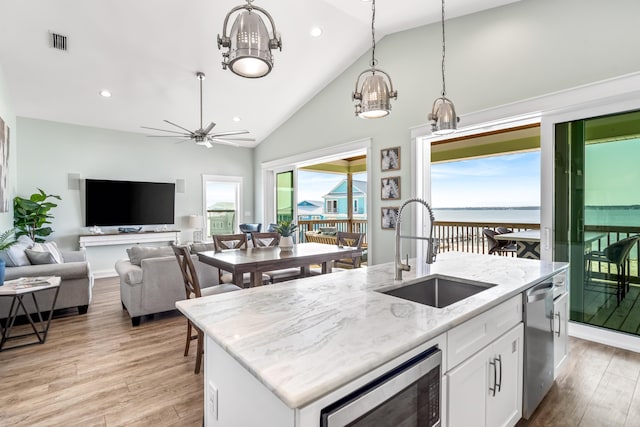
column 538, row 348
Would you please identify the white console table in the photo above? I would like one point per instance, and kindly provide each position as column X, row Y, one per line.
column 108, row 239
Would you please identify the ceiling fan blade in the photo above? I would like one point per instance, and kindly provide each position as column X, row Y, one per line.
column 209, row 128
column 224, row 141
column 178, row 126
column 180, row 135
column 163, row 130
column 233, row 132
column 237, row 139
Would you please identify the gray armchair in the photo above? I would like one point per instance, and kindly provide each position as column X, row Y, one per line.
column 156, row 283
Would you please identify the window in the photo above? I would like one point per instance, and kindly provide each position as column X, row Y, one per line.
column 222, row 197
column 355, row 205
column 332, row 206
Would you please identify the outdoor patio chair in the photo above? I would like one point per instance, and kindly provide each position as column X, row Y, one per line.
column 495, row 247
column 617, row 254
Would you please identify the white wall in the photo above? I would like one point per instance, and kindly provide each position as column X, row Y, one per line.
column 49, row 151
column 502, row 55
column 9, row 117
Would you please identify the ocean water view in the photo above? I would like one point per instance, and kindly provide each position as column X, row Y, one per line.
column 526, row 215
column 628, row 216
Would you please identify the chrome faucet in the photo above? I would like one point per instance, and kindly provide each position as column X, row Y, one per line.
column 432, row 244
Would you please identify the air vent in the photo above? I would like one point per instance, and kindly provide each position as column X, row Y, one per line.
column 57, row 41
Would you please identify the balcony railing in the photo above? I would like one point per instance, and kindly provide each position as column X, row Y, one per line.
column 468, row 236
column 348, row 225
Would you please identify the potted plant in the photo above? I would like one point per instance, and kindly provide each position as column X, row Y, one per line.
column 6, row 240
column 31, row 216
column 286, row 229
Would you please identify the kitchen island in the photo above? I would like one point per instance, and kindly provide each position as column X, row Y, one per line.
column 287, row 349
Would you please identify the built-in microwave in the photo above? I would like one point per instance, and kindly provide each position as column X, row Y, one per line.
column 409, row 395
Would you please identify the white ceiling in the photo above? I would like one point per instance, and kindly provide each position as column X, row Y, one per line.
column 146, row 52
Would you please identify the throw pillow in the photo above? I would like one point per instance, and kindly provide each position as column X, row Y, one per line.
column 15, row 256
column 138, row 253
column 49, row 247
column 39, row 257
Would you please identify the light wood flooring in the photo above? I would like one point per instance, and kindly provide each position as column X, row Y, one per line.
column 96, row 370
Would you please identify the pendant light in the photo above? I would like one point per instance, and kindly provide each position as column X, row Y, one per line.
column 443, row 113
column 249, row 42
column 374, row 97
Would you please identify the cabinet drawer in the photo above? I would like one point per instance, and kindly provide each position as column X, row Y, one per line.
column 470, row 337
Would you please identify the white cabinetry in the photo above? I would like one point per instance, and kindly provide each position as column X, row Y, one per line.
column 486, row 389
column 560, row 332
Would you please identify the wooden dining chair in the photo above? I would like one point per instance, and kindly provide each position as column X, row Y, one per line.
column 194, row 290
column 262, row 240
column 224, row 242
column 353, row 240
column 272, row 239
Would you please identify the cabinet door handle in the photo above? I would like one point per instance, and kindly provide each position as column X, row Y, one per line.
column 495, row 377
column 559, row 323
column 499, row 384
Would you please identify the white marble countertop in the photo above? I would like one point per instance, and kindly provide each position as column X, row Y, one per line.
column 307, row 337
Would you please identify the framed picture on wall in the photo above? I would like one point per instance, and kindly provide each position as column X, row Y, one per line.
column 390, row 188
column 388, row 217
column 390, row 159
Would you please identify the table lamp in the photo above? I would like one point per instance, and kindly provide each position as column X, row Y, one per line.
column 196, row 222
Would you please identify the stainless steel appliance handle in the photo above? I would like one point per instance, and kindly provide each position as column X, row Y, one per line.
column 495, row 377
column 378, row 395
column 539, row 292
column 559, row 323
column 499, row 385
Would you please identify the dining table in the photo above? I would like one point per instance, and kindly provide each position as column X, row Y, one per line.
column 255, row 261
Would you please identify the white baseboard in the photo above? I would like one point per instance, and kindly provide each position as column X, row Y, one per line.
column 103, row 274
column 605, row 336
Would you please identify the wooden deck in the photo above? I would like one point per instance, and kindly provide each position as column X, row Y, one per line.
column 601, row 309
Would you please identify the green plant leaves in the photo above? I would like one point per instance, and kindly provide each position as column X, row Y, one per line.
column 31, row 215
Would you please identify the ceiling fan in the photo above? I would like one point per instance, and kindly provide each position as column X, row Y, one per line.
column 203, row 136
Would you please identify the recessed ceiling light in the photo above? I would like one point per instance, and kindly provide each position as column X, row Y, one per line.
column 236, row 119
column 316, row 32
column 105, row 93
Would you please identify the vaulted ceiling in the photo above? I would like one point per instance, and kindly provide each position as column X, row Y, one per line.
column 146, row 52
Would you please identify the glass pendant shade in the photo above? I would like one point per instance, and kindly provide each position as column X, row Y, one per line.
column 375, row 95
column 249, row 43
column 443, row 117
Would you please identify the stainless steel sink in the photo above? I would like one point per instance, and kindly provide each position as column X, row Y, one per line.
column 438, row 291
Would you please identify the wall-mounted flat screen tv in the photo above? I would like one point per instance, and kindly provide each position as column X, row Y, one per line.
column 128, row 203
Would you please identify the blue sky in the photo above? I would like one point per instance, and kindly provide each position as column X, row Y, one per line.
column 314, row 185
column 506, row 180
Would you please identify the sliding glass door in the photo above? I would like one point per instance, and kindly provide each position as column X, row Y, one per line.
column 597, row 215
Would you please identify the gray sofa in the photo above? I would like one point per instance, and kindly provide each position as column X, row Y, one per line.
column 75, row 287
column 151, row 281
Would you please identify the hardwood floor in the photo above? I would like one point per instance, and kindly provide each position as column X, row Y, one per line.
column 598, row 387
column 96, row 370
